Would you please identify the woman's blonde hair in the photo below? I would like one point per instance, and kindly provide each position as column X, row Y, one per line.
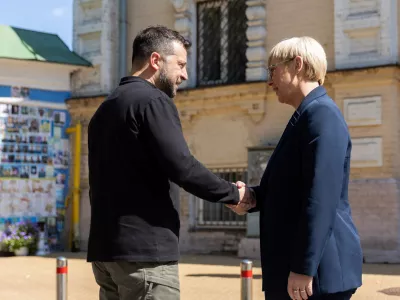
column 313, row 54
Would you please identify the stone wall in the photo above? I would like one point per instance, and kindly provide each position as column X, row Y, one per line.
column 369, row 100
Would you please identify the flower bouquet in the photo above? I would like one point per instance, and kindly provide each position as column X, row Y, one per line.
column 20, row 238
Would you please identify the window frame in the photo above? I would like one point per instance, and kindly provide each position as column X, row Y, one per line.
column 224, row 45
column 197, row 207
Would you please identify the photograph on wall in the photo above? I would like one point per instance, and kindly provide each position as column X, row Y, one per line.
column 20, row 92
column 61, row 153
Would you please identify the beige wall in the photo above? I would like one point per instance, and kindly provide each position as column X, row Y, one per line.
column 220, row 122
column 143, row 13
column 316, row 22
column 219, row 136
column 288, row 18
column 374, row 191
column 375, row 82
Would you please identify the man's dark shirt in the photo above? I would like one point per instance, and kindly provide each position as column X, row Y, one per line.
column 137, row 159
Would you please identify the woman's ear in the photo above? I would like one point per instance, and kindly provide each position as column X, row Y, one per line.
column 299, row 64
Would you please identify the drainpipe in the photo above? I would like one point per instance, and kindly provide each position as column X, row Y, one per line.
column 75, row 242
column 122, row 37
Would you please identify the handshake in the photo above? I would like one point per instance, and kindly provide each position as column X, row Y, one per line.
column 247, row 199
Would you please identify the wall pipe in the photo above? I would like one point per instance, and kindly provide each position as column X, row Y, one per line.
column 122, row 38
column 77, row 129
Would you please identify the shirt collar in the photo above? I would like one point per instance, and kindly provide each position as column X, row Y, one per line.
column 129, row 79
column 314, row 94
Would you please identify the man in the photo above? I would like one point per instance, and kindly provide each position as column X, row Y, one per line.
column 137, row 153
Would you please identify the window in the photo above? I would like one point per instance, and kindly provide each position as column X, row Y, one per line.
column 222, row 42
column 218, row 215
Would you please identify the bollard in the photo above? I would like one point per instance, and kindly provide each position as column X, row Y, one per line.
column 246, row 278
column 62, row 274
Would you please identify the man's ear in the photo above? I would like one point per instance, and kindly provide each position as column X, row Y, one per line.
column 155, row 60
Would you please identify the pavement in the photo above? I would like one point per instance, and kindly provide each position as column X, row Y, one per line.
column 203, row 277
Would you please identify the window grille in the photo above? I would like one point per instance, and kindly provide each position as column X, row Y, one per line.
column 218, row 215
column 222, row 42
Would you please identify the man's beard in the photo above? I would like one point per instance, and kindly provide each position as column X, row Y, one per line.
column 165, row 84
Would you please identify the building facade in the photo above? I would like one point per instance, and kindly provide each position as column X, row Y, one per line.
column 232, row 119
column 35, row 69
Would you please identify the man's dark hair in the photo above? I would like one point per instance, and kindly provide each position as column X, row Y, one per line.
column 156, row 39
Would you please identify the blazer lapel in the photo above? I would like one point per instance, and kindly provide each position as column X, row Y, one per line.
column 285, row 135
column 314, row 94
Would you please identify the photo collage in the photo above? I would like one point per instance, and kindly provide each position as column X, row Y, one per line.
column 34, row 161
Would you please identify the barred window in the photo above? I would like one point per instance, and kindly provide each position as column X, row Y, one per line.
column 222, row 42
column 218, row 215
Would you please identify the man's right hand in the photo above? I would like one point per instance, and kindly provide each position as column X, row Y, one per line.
column 246, row 200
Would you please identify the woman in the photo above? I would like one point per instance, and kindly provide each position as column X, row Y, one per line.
column 310, row 248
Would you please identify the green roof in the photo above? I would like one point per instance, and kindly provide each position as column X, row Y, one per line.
column 26, row 44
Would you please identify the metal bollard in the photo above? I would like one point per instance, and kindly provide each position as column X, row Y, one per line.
column 62, row 278
column 246, row 278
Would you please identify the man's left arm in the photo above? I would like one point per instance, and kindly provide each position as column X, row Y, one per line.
column 324, row 149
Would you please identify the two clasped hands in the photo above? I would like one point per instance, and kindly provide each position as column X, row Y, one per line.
column 246, row 202
column 299, row 286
